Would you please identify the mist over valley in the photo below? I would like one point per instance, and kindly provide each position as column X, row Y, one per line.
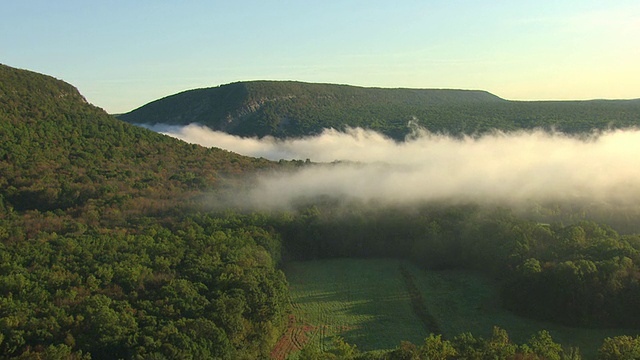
column 521, row 169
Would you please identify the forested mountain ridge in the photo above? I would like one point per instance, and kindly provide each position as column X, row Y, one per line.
column 293, row 109
column 103, row 253
column 58, row 151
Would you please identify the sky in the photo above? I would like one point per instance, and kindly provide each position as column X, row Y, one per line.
column 124, row 54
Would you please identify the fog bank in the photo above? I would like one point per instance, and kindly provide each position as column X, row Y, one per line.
column 507, row 168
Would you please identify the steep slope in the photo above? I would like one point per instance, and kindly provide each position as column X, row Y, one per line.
column 57, row 151
column 103, row 251
column 293, row 109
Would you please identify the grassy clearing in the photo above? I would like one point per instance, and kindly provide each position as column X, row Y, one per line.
column 363, row 301
column 367, row 303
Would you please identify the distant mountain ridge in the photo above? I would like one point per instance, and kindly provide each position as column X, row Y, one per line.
column 293, row 109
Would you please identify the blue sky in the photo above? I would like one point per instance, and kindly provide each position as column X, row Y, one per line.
column 123, row 54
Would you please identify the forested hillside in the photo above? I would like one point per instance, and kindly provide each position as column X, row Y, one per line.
column 59, row 152
column 293, row 109
column 99, row 255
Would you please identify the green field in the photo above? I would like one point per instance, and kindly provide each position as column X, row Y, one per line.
column 367, row 303
column 364, row 301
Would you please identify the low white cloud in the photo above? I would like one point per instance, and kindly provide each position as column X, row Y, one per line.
column 506, row 168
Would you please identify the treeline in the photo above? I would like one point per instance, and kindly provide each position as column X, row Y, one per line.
column 293, row 109
column 466, row 346
column 583, row 274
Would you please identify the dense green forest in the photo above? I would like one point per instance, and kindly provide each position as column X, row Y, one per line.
column 292, row 109
column 98, row 258
column 108, row 248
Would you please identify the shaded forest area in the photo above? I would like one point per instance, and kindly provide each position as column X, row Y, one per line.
column 107, row 251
